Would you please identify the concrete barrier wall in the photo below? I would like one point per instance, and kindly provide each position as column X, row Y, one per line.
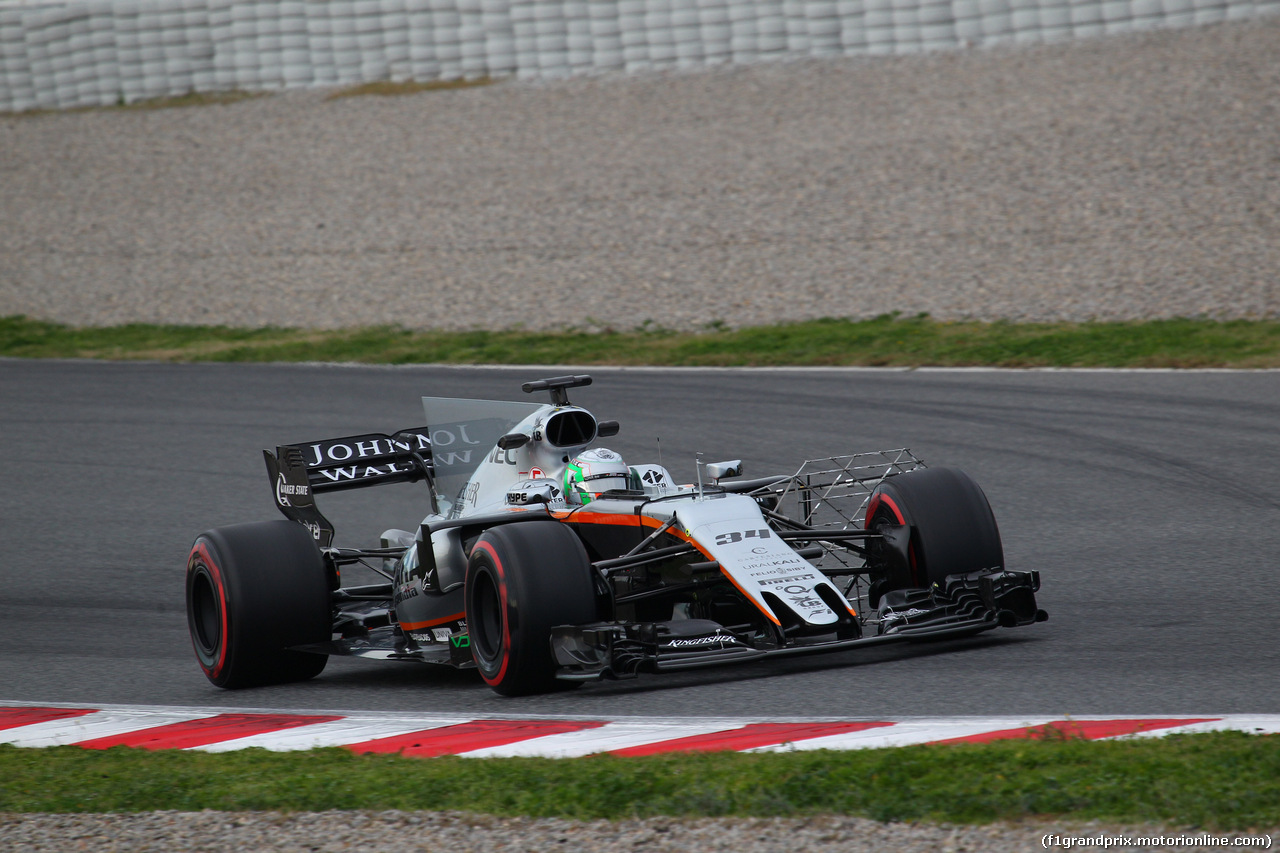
column 96, row 52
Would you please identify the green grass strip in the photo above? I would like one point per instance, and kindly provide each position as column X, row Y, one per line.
column 191, row 99
column 1219, row 781
column 883, row 341
column 387, row 88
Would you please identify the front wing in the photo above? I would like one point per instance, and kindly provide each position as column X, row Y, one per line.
column 966, row 605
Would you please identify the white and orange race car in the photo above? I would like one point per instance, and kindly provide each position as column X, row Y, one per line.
column 547, row 559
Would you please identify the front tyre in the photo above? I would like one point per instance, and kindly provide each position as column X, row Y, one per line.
column 253, row 591
column 953, row 530
column 522, row 580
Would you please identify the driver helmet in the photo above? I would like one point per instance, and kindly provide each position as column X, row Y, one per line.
column 594, row 471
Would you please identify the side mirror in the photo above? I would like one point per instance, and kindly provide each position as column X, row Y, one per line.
column 607, row 428
column 512, row 440
column 721, row 470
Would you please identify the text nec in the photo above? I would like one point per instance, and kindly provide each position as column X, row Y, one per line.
column 503, row 457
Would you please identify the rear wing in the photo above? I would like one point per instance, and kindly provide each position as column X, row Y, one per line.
column 300, row 471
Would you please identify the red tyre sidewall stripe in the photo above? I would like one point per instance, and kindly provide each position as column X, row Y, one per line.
column 874, row 505
column 224, row 638
column 506, row 624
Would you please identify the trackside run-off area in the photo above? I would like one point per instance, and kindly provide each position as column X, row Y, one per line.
column 1127, row 177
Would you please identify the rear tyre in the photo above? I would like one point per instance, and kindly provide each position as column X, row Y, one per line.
column 523, row 580
column 953, row 530
column 254, row 590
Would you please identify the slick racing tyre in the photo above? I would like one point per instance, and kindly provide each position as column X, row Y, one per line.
column 522, row 580
column 953, row 530
column 254, row 590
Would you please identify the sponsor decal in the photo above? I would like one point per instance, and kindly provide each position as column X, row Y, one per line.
column 651, row 478
column 503, row 457
column 442, row 634
column 787, row 580
column 405, row 592
column 446, row 437
column 808, row 602
column 774, row 566
column 324, row 453
column 453, row 444
column 452, row 457
column 356, row 472
column 286, row 490
column 532, row 492
column 536, row 472
column 696, row 642
column 460, row 646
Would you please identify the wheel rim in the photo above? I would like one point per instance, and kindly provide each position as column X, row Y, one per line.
column 206, row 612
column 485, row 622
column 884, row 514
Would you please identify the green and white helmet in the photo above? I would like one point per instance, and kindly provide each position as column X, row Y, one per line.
column 592, row 472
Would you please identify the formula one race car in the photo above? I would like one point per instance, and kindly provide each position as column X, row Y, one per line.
column 545, row 560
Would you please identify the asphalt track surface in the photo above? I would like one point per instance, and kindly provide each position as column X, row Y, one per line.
column 1148, row 501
